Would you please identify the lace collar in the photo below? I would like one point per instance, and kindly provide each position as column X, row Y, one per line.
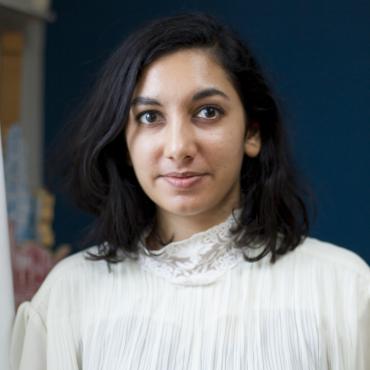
column 199, row 260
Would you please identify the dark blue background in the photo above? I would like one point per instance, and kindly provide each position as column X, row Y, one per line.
column 316, row 55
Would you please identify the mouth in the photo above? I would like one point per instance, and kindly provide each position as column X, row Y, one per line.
column 183, row 180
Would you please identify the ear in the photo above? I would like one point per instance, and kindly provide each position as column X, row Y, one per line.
column 252, row 144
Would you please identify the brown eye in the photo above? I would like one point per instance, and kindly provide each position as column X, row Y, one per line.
column 147, row 117
column 209, row 112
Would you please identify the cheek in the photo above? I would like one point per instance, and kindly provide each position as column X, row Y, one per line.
column 142, row 154
column 227, row 140
column 227, row 147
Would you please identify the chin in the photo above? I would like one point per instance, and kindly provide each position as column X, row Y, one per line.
column 187, row 207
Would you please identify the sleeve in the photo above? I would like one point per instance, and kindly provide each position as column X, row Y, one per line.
column 28, row 342
column 363, row 340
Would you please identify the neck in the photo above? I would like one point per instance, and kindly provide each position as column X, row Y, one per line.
column 174, row 227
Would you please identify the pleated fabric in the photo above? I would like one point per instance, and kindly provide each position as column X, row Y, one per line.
column 308, row 311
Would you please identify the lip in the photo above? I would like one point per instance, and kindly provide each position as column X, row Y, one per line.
column 183, row 180
column 182, row 174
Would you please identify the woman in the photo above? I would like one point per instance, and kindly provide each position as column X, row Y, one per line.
column 181, row 156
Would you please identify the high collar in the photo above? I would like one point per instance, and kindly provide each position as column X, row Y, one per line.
column 199, row 260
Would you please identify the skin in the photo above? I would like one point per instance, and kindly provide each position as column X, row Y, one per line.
column 186, row 138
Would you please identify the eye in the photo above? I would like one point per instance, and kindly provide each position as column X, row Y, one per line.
column 148, row 117
column 209, row 112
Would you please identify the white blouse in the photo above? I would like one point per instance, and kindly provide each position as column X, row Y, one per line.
column 198, row 305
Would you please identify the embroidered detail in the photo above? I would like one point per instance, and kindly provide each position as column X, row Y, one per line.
column 199, row 260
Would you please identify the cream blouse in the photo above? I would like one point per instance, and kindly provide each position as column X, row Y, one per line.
column 198, row 305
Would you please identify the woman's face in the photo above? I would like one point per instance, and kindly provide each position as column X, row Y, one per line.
column 186, row 135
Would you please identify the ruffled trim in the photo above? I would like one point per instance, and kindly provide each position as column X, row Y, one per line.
column 201, row 259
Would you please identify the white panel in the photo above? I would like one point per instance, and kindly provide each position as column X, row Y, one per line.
column 6, row 285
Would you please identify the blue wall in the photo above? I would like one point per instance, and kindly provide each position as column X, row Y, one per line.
column 317, row 57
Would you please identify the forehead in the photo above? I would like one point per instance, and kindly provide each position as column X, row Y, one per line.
column 181, row 73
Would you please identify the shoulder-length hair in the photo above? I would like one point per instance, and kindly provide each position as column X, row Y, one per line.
column 273, row 213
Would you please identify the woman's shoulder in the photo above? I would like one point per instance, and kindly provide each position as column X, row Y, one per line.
column 324, row 254
column 73, row 265
column 82, row 262
column 78, row 272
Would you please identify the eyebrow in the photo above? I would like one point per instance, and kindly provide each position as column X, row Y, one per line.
column 142, row 100
column 205, row 93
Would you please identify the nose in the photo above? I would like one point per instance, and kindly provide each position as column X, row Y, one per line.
column 180, row 140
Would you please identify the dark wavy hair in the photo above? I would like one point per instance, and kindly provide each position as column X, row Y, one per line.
column 102, row 182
